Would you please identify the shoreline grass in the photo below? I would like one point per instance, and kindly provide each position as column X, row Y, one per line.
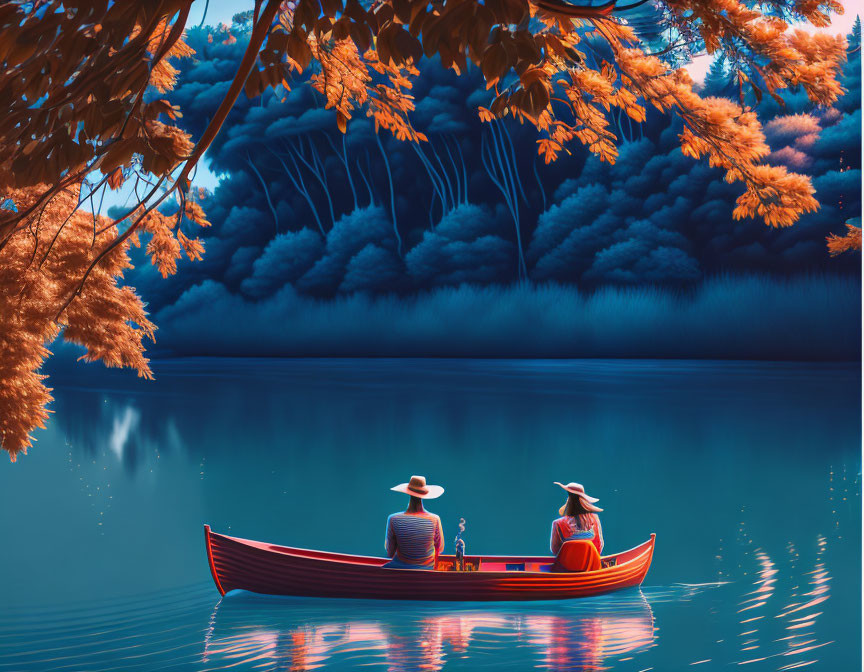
column 807, row 317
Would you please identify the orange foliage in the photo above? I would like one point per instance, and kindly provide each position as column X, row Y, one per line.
column 851, row 241
column 107, row 319
column 347, row 83
column 728, row 135
column 164, row 75
column 99, row 72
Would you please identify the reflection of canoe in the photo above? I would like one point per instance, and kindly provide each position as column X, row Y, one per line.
column 304, row 634
column 280, row 570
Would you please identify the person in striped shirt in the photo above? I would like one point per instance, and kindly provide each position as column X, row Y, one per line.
column 414, row 538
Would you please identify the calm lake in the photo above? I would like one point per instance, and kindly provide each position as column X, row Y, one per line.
column 749, row 473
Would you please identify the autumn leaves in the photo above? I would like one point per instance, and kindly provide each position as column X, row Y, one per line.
column 37, row 271
column 728, row 133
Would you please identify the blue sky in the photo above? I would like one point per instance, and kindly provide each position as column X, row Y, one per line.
column 218, row 10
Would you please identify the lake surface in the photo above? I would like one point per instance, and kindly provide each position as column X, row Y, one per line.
column 749, row 473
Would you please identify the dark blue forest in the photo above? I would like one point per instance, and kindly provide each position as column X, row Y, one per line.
column 469, row 245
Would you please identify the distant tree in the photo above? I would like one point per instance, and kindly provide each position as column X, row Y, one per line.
column 83, row 84
column 718, row 79
column 243, row 19
column 365, row 228
column 372, row 269
column 463, row 248
column 286, row 258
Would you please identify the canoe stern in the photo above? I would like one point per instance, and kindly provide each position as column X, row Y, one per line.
column 213, row 572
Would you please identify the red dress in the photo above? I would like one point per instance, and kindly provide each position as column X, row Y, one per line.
column 566, row 529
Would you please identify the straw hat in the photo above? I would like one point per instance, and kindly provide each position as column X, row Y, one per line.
column 417, row 487
column 579, row 491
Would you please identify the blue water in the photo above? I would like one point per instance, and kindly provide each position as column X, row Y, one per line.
column 749, row 473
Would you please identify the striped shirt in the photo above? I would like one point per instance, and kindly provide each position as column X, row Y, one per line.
column 566, row 529
column 414, row 538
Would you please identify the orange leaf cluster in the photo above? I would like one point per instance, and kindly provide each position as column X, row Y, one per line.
column 164, row 75
column 851, row 241
column 108, row 319
column 344, row 78
column 88, row 68
column 347, row 82
column 765, row 45
column 167, row 242
column 164, row 248
column 389, row 104
column 729, row 136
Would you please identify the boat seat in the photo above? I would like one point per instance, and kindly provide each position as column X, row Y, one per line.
column 579, row 555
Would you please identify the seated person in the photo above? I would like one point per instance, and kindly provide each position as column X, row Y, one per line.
column 414, row 538
column 578, row 520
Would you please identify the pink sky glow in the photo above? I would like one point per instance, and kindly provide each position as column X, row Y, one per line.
column 841, row 23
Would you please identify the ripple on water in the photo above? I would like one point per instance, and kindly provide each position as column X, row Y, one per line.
column 306, row 634
column 775, row 610
column 184, row 630
column 156, row 631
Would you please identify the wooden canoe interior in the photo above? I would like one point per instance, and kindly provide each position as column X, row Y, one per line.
column 446, row 563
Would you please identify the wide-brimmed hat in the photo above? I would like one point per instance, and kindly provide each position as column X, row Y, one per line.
column 417, row 487
column 579, row 491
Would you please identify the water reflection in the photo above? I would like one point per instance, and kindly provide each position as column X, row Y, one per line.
column 125, row 423
column 295, row 634
column 100, row 425
column 760, row 612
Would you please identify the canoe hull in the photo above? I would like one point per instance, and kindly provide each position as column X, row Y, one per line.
column 279, row 570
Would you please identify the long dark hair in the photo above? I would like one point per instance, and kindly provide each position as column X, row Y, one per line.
column 575, row 508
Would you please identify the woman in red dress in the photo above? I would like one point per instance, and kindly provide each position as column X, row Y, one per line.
column 578, row 520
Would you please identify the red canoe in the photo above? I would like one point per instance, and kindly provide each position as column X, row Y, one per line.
column 280, row 570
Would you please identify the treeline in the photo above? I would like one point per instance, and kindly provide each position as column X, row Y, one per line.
column 729, row 317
